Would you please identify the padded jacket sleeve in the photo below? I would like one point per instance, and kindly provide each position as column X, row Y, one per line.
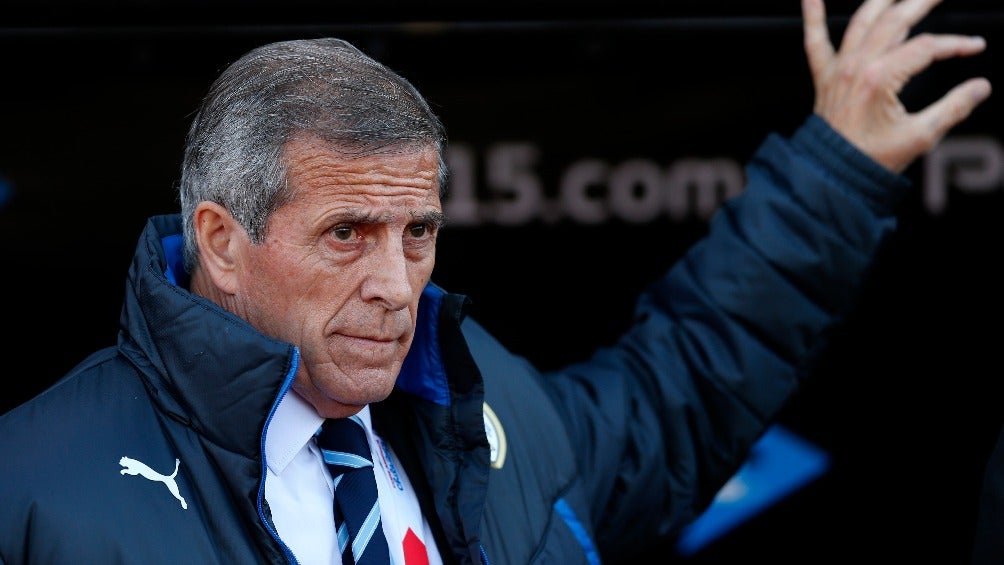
column 662, row 418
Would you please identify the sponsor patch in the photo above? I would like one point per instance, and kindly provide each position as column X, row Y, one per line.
column 388, row 466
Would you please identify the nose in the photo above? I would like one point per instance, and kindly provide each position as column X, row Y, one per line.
column 388, row 281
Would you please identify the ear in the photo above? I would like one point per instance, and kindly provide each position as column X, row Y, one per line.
column 221, row 240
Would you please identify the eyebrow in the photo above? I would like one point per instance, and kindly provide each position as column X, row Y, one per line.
column 434, row 217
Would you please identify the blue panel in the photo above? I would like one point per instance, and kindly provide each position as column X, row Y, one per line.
column 6, row 191
column 779, row 463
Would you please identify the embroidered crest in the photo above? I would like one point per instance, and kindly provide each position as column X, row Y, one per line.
column 496, row 437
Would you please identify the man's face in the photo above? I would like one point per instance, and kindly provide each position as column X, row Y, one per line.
column 342, row 268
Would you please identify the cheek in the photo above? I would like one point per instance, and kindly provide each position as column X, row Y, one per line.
column 266, row 275
column 264, row 306
column 421, row 271
column 271, row 289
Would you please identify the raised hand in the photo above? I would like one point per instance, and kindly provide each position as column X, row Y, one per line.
column 857, row 88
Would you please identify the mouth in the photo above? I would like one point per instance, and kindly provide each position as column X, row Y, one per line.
column 374, row 352
column 367, row 338
column 374, row 346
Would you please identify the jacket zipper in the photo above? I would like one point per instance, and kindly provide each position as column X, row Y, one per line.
column 286, row 384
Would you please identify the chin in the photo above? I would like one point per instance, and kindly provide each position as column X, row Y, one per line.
column 364, row 387
column 341, row 396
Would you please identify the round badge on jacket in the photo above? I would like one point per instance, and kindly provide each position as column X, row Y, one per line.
column 496, row 437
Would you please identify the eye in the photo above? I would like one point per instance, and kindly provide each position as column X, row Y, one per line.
column 343, row 233
column 419, row 230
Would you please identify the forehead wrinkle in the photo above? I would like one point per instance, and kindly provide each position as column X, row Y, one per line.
column 318, row 163
column 325, row 174
column 421, row 179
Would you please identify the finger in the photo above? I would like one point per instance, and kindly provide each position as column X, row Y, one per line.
column 818, row 49
column 956, row 105
column 894, row 25
column 909, row 12
column 861, row 23
column 919, row 52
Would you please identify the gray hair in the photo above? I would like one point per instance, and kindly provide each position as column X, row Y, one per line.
column 323, row 87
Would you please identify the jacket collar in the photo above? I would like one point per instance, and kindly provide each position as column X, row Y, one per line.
column 205, row 366
column 213, row 370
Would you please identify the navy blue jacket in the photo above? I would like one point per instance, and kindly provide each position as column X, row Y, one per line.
column 602, row 458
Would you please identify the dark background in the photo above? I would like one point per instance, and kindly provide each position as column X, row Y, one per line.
column 95, row 98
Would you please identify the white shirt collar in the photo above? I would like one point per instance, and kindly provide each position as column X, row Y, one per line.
column 293, row 425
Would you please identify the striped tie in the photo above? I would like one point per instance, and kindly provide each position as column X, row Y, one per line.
column 357, row 513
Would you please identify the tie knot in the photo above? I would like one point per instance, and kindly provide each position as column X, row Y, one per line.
column 343, row 444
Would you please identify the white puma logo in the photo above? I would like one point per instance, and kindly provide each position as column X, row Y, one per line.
column 134, row 467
